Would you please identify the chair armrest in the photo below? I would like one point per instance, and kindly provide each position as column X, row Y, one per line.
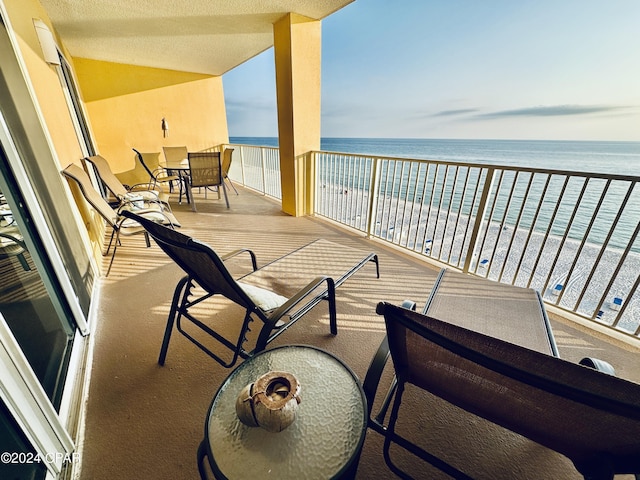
column 141, row 212
column 14, row 239
column 142, row 187
column 271, row 323
column 374, row 372
column 293, row 301
column 597, row 364
column 254, row 262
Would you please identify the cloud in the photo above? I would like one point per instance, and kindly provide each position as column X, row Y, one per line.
column 552, row 111
column 451, row 113
column 250, row 105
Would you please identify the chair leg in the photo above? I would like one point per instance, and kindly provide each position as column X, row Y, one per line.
column 202, row 454
column 232, row 185
column 173, row 312
column 113, row 232
column 333, row 315
column 115, row 247
column 391, row 436
column 23, row 262
column 224, row 189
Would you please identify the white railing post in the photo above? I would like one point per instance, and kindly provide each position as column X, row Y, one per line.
column 482, row 210
column 374, row 182
column 264, row 170
column 244, row 182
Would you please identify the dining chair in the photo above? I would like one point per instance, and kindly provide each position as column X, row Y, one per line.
column 227, row 157
column 12, row 245
column 205, row 170
column 157, row 173
column 173, row 156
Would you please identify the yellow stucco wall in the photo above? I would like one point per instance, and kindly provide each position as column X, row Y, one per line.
column 44, row 79
column 50, row 98
column 126, row 105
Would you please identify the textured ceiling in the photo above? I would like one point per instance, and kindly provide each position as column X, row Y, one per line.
column 202, row 36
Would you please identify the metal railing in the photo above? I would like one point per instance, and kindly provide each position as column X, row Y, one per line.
column 257, row 168
column 572, row 236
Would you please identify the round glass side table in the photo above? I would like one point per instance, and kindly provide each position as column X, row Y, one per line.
column 323, row 442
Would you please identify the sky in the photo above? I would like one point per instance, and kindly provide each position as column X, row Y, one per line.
column 466, row 69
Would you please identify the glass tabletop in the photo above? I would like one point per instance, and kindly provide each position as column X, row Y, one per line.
column 325, row 438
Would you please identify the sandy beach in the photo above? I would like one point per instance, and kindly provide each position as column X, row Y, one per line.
column 563, row 271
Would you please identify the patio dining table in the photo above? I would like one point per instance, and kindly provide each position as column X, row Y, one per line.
column 182, row 169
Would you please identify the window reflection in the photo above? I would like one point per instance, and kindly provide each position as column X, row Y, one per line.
column 27, row 308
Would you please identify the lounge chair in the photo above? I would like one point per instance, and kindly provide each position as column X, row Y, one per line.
column 114, row 218
column 146, row 191
column 590, row 416
column 277, row 294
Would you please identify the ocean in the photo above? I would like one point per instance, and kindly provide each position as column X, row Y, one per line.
column 580, row 264
column 609, row 157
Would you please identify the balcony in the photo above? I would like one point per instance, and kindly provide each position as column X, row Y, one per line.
column 146, row 421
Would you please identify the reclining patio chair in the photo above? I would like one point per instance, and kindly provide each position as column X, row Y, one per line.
column 591, row 417
column 146, row 191
column 114, row 218
column 278, row 294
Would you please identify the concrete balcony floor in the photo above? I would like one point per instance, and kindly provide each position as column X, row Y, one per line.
column 146, row 421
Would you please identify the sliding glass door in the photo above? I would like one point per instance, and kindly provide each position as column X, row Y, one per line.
column 40, row 323
column 46, row 282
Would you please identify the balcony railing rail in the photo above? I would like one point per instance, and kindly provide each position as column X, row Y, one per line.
column 573, row 236
column 257, row 168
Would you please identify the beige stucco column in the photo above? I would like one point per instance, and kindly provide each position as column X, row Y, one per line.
column 297, row 58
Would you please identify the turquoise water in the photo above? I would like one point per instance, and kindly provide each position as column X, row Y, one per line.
column 619, row 158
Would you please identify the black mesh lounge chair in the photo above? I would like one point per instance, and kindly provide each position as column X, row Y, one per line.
column 278, row 294
column 591, row 417
column 119, row 224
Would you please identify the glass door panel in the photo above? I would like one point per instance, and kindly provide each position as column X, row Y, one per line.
column 17, row 449
column 28, row 309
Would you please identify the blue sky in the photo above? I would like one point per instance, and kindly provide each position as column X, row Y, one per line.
column 504, row 69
